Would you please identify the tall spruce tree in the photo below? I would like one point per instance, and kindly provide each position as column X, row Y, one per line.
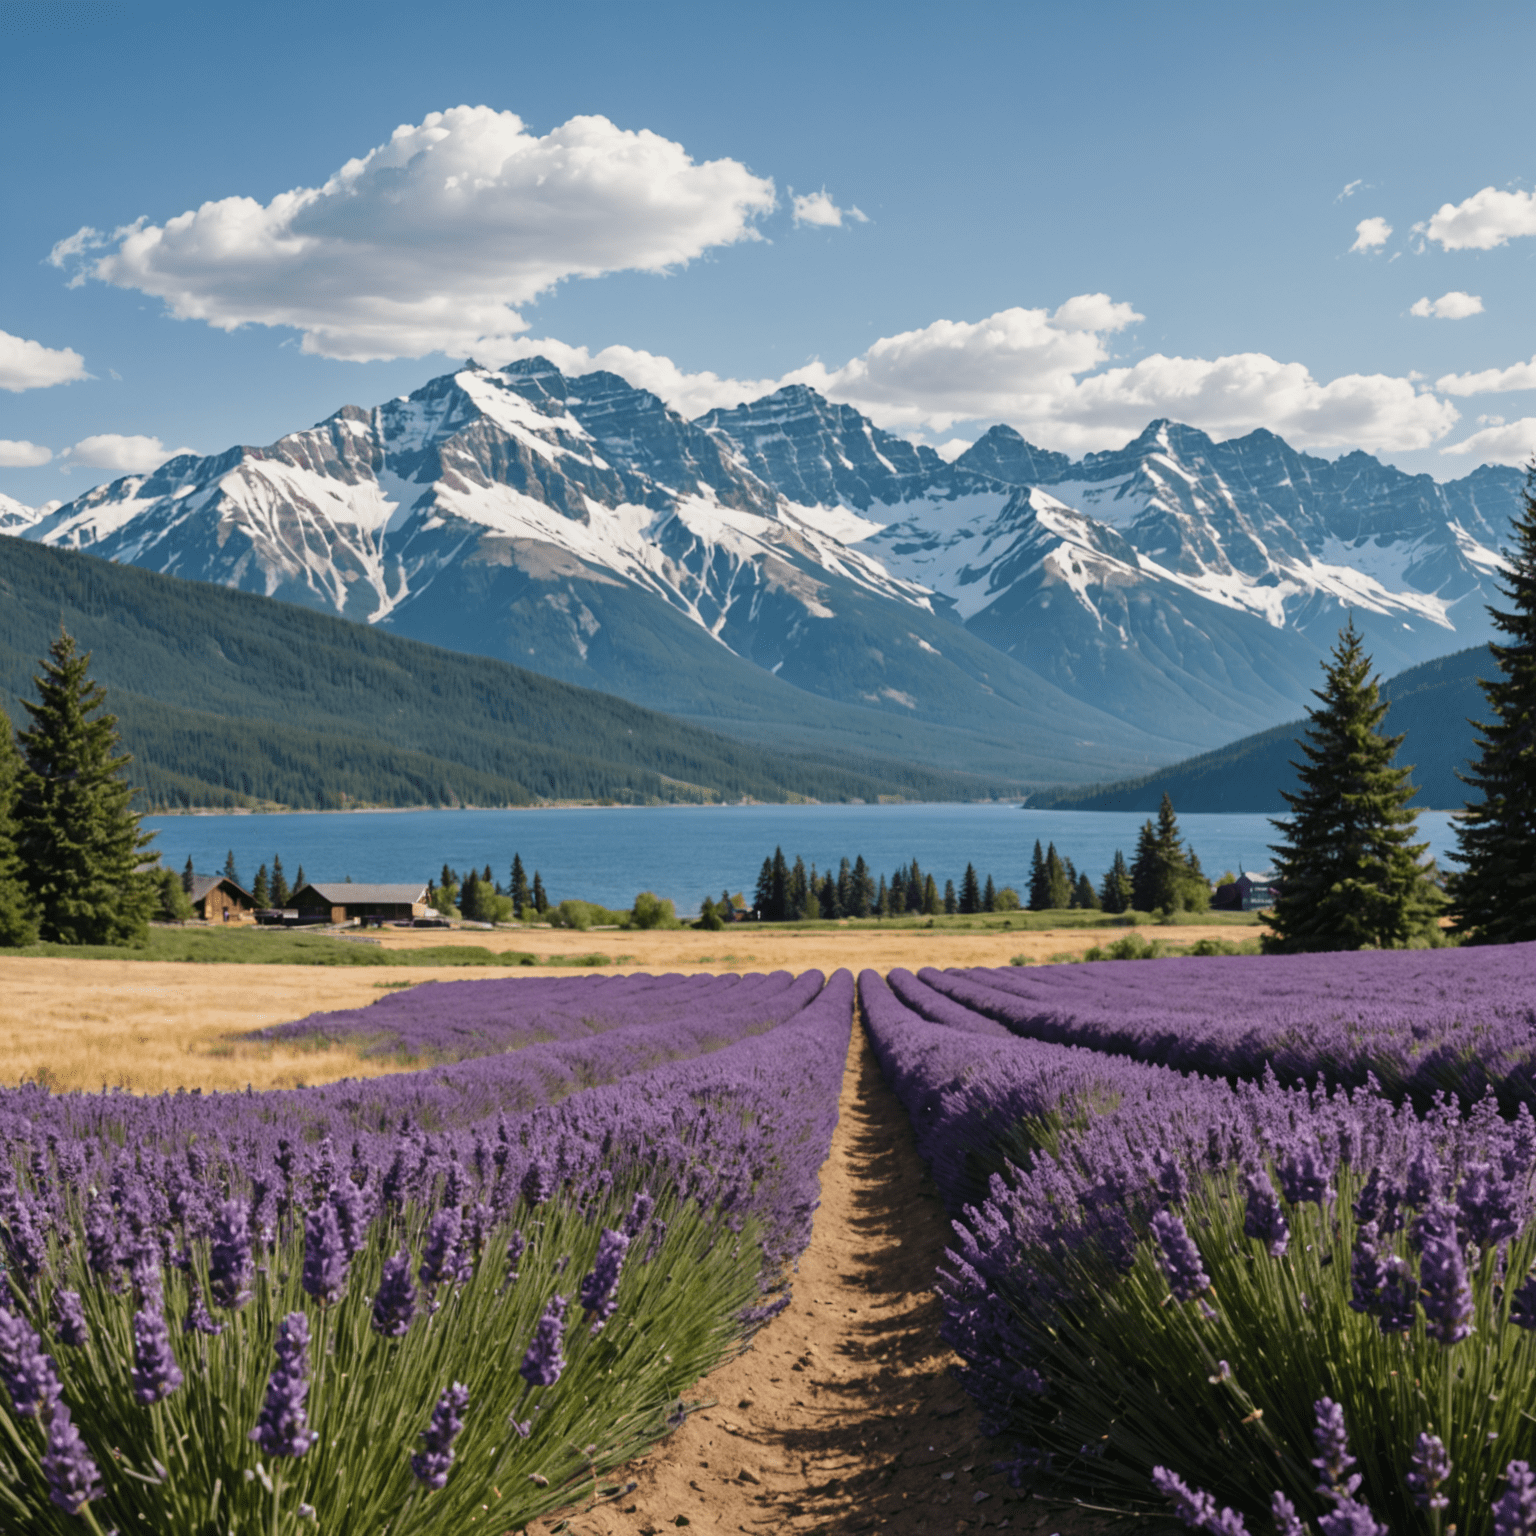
column 989, row 896
column 970, row 891
column 280, row 888
column 1058, row 887
column 540, row 898
column 1144, row 870
column 18, row 922
column 1349, row 871
column 77, row 836
column 1115, row 891
column 261, row 889
column 951, row 901
column 1039, row 880
column 1493, row 895
column 518, row 885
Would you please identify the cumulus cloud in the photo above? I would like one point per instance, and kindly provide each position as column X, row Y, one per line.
column 126, row 454
column 433, row 240
column 1490, row 381
column 1044, row 372
column 818, row 208
column 22, row 455
column 31, row 365
column 1482, row 221
column 1511, row 442
column 1454, row 305
column 1350, row 188
column 1371, row 234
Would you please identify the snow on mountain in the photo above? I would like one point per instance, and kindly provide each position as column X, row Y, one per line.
column 1180, row 587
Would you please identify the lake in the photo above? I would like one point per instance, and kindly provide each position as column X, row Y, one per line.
column 608, row 854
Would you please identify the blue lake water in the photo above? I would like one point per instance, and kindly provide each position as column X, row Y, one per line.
column 608, row 854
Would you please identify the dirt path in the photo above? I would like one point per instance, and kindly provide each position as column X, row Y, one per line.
column 841, row 1417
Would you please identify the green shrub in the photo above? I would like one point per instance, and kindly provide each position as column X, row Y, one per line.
column 652, row 911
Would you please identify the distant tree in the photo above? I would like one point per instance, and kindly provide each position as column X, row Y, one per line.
column 280, row 888
column 79, row 842
column 709, row 917
column 931, row 902
column 517, row 887
column 970, row 891
column 487, row 878
column 1163, row 874
column 1115, row 892
column 863, row 889
column 188, row 875
column 1085, row 896
column 989, row 896
column 810, row 906
column 261, row 889
column 1493, row 895
column 778, row 899
column 18, row 922
column 916, row 888
column 827, row 896
column 727, row 908
column 951, row 901
column 1006, row 899
column 763, row 896
column 540, row 899
column 1349, row 871
column 1039, row 881
column 172, row 904
column 472, row 896
column 299, row 882
column 1058, row 881
column 231, row 870
column 799, row 887
column 845, row 894
column 448, row 877
column 653, row 911
column 883, row 900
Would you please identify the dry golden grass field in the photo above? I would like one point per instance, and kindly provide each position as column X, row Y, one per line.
column 148, row 1026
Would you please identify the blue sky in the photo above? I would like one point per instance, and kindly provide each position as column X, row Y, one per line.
column 1070, row 217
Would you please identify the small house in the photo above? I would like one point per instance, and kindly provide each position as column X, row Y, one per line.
column 217, row 899
column 1250, row 892
column 348, row 902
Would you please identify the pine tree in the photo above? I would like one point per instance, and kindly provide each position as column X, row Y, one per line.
column 1058, row 888
column 261, row 891
column 989, row 896
column 915, row 888
column 1115, row 892
column 864, row 888
column 762, row 898
column 845, row 898
column 471, row 896
column 299, row 882
column 931, row 904
column 18, row 924
column 727, row 908
column 778, row 900
column 1349, row 872
column 970, row 891
column 518, row 885
column 79, row 841
column 280, row 890
column 1085, row 896
column 188, row 875
column 1493, row 895
column 951, row 901
column 540, row 899
column 1039, row 881
column 172, row 904
column 831, row 905
column 1146, row 881
column 231, row 870
column 883, row 900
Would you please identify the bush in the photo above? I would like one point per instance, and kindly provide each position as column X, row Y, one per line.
column 709, row 917
column 582, row 915
column 653, row 911
column 1007, row 900
column 172, row 904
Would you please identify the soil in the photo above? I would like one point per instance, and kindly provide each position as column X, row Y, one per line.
column 842, row 1415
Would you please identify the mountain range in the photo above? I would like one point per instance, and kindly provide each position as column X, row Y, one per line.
column 786, row 572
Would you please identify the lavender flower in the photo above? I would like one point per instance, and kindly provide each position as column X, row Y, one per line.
column 229, row 1255
column 395, row 1304
column 1305, row 1176
column 1263, row 1219
column 1171, row 1182
column 596, row 1292
column 439, row 1263
column 432, row 1462
column 516, row 1246
column 282, row 1427
column 538, row 1185
column 73, row 1477
column 1514, row 1511
column 325, row 1256
column 1181, row 1259
column 1350, row 1518
column 1333, row 1461
column 26, row 1368
column 155, row 1372
column 69, row 1325
column 1195, row 1507
column 353, row 1212
column 1522, row 1305
column 1426, row 1178
column 639, row 1214
column 1487, row 1207
column 199, row 1319
column 1430, row 1467
column 1444, row 1290
column 544, row 1361
column 1287, row 1521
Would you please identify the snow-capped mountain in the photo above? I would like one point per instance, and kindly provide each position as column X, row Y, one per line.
column 14, row 517
column 788, row 566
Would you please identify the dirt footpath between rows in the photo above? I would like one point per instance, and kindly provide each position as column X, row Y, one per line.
column 842, row 1416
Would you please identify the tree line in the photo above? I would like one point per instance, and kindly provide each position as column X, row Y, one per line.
column 788, row 892
column 480, row 898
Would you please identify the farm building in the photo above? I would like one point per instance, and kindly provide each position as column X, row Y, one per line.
column 1248, row 893
column 217, row 899
column 345, row 903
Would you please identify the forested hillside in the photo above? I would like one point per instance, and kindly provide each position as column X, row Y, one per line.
column 1431, row 705
column 229, row 699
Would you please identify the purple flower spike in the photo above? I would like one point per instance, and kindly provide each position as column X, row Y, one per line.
column 1514, row 1511
column 596, row 1292
column 1350, row 1518
column 229, row 1255
column 639, row 1214
column 544, row 1361
column 395, row 1305
column 1171, row 1182
column 1195, row 1507
column 1264, row 1220
column 325, row 1256
column 73, row 1477
column 1305, row 1177
column 1426, row 1178
column 516, row 1246
column 1444, row 1290
column 282, row 1427
column 1333, row 1461
column 199, row 1319
column 69, row 1325
column 1430, row 1467
column 1287, row 1521
column 1487, row 1207
column 538, row 1185
column 155, row 1372
column 439, row 1258
column 432, row 1462
column 26, row 1368
column 1181, row 1259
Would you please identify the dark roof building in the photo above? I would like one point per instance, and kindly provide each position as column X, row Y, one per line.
column 217, row 899
column 347, row 902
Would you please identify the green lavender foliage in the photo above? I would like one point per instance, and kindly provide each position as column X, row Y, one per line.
column 1137, row 1378
column 370, row 1397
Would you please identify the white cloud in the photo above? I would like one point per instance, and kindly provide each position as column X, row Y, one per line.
column 1371, row 234
column 1490, row 381
column 432, row 241
column 951, row 450
column 22, row 455
column 1512, row 442
column 1350, row 188
column 127, row 455
column 818, row 208
column 1484, row 220
column 31, row 365
column 1454, row 305
column 1044, row 373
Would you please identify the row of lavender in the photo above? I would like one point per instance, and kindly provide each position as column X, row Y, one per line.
column 1255, row 1298
column 248, row 1312
column 1460, row 1021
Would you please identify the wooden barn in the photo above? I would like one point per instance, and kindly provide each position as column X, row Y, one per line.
column 346, row 902
column 217, row 899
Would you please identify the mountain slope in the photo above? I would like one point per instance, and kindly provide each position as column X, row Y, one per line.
column 1432, row 706
column 230, row 698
